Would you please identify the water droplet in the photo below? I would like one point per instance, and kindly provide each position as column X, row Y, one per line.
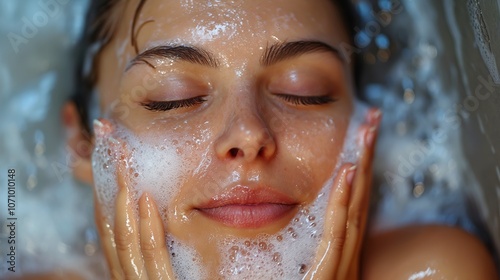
column 263, row 246
column 302, row 269
column 32, row 182
column 234, row 249
column 382, row 41
column 90, row 249
column 311, row 218
column 401, row 128
column 409, row 96
column 418, row 189
column 279, row 238
column 248, row 243
column 383, row 55
column 277, row 257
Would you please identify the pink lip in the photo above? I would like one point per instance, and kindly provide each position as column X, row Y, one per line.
column 244, row 207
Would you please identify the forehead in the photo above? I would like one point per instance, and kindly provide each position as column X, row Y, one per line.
column 227, row 25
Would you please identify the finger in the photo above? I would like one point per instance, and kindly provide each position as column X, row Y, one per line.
column 152, row 235
column 360, row 199
column 373, row 116
column 126, row 229
column 363, row 177
column 329, row 251
column 107, row 241
column 359, row 202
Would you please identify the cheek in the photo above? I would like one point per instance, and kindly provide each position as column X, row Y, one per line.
column 158, row 170
column 157, row 161
column 168, row 159
column 315, row 146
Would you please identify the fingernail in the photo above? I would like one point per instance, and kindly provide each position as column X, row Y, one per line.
column 98, row 127
column 370, row 136
column 377, row 114
column 98, row 123
column 350, row 174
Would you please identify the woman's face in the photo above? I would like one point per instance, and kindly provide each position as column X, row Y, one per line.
column 241, row 108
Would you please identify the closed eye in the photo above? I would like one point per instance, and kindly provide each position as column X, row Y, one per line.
column 306, row 100
column 159, row 106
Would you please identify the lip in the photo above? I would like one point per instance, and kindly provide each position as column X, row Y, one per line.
column 246, row 207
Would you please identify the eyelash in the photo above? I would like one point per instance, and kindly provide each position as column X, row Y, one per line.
column 294, row 99
column 306, row 100
column 170, row 105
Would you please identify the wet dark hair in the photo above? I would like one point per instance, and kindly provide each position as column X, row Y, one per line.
column 99, row 31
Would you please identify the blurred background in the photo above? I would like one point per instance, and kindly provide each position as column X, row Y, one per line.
column 55, row 227
column 430, row 65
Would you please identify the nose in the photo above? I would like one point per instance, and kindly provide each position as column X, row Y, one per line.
column 246, row 137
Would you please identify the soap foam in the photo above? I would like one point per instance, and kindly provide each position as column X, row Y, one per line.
column 152, row 167
column 185, row 260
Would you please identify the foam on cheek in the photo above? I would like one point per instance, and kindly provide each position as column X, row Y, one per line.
column 152, row 168
column 351, row 151
column 289, row 253
column 104, row 167
column 285, row 255
column 185, row 261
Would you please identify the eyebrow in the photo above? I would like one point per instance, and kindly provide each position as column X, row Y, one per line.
column 286, row 50
column 272, row 54
column 177, row 52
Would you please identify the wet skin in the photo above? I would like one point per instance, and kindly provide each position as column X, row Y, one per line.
column 260, row 103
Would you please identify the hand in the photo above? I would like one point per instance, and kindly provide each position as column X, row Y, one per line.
column 134, row 249
column 338, row 254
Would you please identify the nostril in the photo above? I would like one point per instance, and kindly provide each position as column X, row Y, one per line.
column 234, row 152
